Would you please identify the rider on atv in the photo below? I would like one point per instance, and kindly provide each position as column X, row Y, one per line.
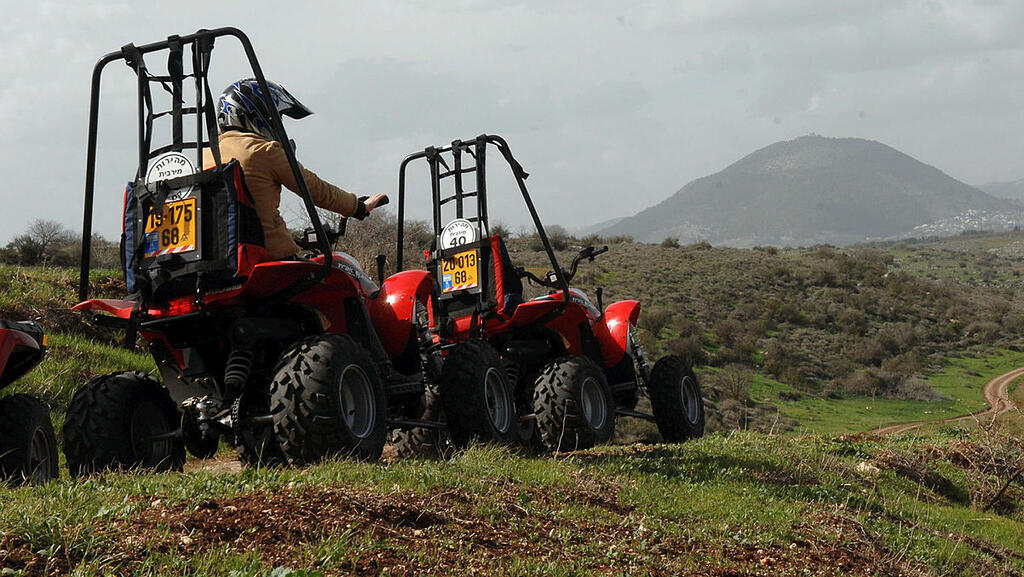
column 246, row 136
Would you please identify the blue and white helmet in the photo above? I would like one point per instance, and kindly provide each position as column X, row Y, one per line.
column 242, row 107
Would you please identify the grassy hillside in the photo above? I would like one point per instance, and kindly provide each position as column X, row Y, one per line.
column 819, row 325
column 810, row 347
column 736, row 504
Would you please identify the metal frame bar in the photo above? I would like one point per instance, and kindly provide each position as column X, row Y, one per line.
column 203, row 39
column 480, row 143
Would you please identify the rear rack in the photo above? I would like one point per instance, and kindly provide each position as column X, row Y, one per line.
column 475, row 150
column 463, row 166
column 200, row 45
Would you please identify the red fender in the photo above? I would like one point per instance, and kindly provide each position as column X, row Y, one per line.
column 118, row 308
column 11, row 340
column 613, row 332
column 391, row 309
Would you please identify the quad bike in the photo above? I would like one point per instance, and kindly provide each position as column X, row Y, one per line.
column 571, row 366
column 28, row 447
column 288, row 361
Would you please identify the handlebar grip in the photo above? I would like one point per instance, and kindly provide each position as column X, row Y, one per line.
column 383, row 201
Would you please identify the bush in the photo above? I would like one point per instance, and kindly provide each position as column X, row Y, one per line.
column 734, row 382
column 689, row 349
column 656, row 319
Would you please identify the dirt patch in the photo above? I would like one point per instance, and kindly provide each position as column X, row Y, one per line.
column 219, row 463
column 19, row 558
column 584, row 528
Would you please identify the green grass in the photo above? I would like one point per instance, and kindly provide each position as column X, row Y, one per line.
column 960, row 384
column 72, row 360
column 725, row 501
column 730, row 503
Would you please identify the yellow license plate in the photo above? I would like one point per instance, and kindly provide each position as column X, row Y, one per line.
column 459, row 272
column 173, row 231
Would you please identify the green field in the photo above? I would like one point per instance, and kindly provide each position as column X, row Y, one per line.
column 728, row 504
column 814, row 495
column 959, row 383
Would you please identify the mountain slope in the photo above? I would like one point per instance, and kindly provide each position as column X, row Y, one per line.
column 1011, row 190
column 807, row 191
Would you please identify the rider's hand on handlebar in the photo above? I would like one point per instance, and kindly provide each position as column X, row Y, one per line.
column 375, row 201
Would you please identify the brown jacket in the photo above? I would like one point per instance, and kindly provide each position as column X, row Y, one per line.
column 266, row 169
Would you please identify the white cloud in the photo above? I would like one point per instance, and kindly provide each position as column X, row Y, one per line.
column 611, row 106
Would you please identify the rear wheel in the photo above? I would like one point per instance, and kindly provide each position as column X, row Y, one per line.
column 573, row 404
column 122, row 421
column 477, row 395
column 327, row 399
column 28, row 447
column 676, row 400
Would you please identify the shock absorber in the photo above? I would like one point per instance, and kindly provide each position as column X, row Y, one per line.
column 431, row 362
column 236, row 372
column 640, row 366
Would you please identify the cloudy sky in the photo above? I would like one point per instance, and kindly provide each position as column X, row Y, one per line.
column 611, row 106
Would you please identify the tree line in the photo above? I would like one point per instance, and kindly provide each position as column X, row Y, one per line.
column 50, row 243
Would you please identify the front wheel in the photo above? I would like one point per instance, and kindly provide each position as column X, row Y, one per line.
column 676, row 400
column 477, row 395
column 120, row 421
column 327, row 399
column 574, row 405
column 28, row 447
column 421, row 441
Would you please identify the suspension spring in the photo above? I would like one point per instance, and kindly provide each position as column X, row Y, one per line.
column 431, row 361
column 643, row 370
column 236, row 373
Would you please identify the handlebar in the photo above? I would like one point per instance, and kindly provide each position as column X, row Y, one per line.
column 308, row 241
column 586, row 253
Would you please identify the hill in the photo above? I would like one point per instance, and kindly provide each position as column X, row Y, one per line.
column 1009, row 190
column 812, row 190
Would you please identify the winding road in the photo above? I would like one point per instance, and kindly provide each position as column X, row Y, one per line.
column 996, row 396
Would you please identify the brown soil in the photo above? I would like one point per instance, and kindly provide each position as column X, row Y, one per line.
column 452, row 531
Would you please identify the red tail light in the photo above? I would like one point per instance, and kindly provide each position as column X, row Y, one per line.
column 175, row 308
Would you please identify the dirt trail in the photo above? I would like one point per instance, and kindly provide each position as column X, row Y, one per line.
column 996, row 396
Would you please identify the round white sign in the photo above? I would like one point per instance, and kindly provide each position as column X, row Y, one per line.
column 457, row 233
column 172, row 165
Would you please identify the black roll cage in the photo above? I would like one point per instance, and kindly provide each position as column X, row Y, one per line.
column 476, row 148
column 201, row 44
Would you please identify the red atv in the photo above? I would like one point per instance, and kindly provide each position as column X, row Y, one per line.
column 28, row 447
column 571, row 367
column 289, row 361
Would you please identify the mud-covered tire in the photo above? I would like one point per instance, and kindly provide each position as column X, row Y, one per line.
column 327, row 399
column 477, row 395
column 197, row 445
column 28, row 447
column 422, row 442
column 676, row 400
column 574, row 405
column 112, row 421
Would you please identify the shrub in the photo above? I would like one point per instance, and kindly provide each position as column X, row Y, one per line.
column 734, row 382
column 689, row 349
column 656, row 319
